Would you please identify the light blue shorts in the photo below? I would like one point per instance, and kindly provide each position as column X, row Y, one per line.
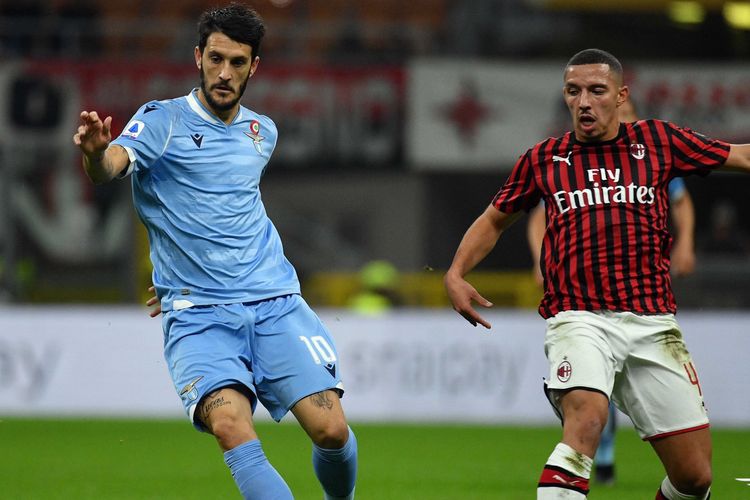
column 278, row 349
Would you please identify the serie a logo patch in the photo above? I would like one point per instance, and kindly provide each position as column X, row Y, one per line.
column 133, row 129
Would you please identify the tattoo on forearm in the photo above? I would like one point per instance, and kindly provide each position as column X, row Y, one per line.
column 212, row 402
column 321, row 400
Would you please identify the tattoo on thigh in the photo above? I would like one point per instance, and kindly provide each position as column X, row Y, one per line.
column 210, row 403
column 322, row 400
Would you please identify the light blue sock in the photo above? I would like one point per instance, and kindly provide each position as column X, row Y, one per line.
column 255, row 476
column 336, row 469
column 605, row 454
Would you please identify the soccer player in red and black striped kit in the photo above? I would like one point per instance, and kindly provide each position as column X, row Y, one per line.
column 608, row 302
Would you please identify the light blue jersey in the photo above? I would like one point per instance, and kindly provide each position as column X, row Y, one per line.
column 676, row 189
column 196, row 189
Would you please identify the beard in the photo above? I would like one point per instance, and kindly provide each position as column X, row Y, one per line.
column 219, row 106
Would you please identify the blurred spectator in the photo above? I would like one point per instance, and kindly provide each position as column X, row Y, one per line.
column 79, row 32
column 17, row 34
column 378, row 293
column 480, row 33
column 726, row 237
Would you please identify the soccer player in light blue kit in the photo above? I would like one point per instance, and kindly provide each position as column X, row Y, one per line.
column 236, row 330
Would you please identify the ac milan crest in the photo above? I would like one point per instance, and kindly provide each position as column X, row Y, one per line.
column 564, row 371
column 637, row 151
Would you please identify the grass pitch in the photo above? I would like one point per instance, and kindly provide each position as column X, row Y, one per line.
column 161, row 460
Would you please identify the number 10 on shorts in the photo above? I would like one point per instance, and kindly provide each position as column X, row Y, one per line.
column 319, row 349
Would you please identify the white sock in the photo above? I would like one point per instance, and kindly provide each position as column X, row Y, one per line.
column 669, row 491
column 565, row 476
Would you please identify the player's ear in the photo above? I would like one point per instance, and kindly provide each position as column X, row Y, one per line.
column 622, row 95
column 254, row 65
column 197, row 53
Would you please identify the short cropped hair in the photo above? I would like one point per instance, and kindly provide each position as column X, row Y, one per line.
column 596, row 56
column 237, row 21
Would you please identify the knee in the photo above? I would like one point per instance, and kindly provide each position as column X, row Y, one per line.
column 230, row 430
column 588, row 425
column 586, row 415
column 697, row 483
column 332, row 435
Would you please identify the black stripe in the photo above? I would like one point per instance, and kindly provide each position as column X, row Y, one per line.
column 695, row 144
column 648, row 238
column 561, row 469
column 600, row 226
column 580, row 255
column 565, row 236
column 661, row 291
column 637, row 228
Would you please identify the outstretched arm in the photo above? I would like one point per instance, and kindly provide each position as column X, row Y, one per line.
column 101, row 161
column 739, row 158
column 478, row 241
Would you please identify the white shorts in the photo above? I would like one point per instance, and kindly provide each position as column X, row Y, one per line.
column 639, row 361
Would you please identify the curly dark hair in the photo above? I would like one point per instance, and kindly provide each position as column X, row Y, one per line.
column 237, row 21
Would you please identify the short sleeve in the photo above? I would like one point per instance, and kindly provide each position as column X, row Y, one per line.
column 676, row 189
column 146, row 135
column 694, row 153
column 520, row 191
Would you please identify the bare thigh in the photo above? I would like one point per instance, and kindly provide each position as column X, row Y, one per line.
column 227, row 414
column 322, row 418
column 686, row 458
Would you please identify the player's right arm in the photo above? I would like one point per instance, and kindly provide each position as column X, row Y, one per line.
column 535, row 235
column 476, row 244
column 153, row 302
column 101, row 161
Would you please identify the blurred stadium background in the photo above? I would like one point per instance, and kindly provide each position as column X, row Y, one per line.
column 398, row 123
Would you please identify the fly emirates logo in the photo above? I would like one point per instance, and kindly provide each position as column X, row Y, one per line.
column 601, row 193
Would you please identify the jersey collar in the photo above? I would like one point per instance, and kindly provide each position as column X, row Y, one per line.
column 198, row 107
column 621, row 132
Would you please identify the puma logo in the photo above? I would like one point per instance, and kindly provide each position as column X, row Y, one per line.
column 569, row 483
column 566, row 159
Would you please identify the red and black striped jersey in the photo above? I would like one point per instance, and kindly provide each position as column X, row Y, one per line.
column 606, row 245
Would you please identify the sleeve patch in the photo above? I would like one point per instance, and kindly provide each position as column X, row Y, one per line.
column 133, row 129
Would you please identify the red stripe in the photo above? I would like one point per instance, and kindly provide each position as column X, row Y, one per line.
column 673, row 433
column 660, row 495
column 558, row 477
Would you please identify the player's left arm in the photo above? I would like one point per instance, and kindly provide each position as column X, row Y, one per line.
column 738, row 159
